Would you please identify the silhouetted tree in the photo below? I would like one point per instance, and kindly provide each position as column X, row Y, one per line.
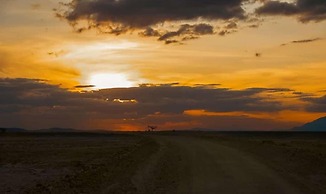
column 151, row 128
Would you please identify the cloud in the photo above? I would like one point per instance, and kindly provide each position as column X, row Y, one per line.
column 225, row 32
column 171, row 41
column 277, row 8
column 231, row 25
column 121, row 16
column 254, row 25
column 24, row 100
column 306, row 40
column 167, row 19
column 305, row 10
column 144, row 13
column 187, row 32
column 148, row 32
column 302, row 41
column 85, row 86
column 316, row 104
column 184, row 33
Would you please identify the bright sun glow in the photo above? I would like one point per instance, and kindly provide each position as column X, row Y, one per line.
column 110, row 80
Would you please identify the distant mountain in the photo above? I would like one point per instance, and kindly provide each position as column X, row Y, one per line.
column 201, row 129
column 57, row 130
column 316, row 125
column 12, row 130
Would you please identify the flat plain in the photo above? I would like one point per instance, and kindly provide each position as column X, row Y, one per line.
column 163, row 162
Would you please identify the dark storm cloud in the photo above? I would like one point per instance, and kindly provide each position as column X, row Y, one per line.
column 144, row 13
column 305, row 10
column 31, row 98
column 120, row 16
column 29, row 93
column 26, row 93
column 148, row 17
column 176, row 99
column 277, row 8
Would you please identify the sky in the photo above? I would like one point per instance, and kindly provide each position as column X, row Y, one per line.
column 175, row 64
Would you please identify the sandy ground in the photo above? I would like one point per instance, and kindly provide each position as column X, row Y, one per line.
column 203, row 166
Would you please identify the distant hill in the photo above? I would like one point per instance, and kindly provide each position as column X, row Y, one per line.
column 316, row 125
column 57, row 130
column 12, row 130
column 201, row 129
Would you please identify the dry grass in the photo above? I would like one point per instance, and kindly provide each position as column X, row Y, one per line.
column 71, row 163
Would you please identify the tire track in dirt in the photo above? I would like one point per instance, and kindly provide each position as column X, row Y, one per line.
column 203, row 166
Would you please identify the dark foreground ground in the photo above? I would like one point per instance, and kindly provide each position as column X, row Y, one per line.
column 163, row 162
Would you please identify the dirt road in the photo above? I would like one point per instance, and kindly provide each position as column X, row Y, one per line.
column 203, row 166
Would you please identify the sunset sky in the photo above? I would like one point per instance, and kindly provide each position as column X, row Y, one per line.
column 177, row 64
